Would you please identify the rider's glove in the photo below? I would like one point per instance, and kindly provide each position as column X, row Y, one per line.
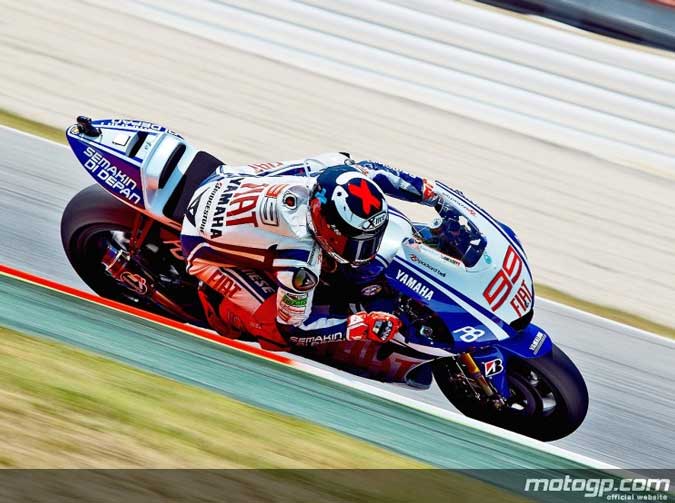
column 376, row 326
column 429, row 193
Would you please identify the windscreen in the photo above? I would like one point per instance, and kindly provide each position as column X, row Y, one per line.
column 455, row 235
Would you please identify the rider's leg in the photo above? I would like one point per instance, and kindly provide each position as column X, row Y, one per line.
column 240, row 300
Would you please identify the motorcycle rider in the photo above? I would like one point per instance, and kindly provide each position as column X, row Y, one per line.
column 259, row 237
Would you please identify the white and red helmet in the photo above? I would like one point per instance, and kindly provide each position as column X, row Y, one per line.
column 348, row 214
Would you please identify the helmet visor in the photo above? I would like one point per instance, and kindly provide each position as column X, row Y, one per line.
column 359, row 251
column 352, row 249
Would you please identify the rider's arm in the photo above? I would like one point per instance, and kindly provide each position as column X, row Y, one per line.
column 393, row 182
column 297, row 319
column 320, row 327
column 400, row 184
column 304, row 324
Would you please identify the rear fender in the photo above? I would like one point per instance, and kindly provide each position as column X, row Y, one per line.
column 116, row 172
column 138, row 162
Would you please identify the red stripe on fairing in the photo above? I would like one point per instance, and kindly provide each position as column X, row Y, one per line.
column 156, row 318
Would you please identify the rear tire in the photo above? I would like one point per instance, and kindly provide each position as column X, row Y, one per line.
column 91, row 220
column 549, row 397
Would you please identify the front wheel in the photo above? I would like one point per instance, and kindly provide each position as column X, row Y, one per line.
column 548, row 401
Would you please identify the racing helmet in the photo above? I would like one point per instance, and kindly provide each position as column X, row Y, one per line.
column 347, row 214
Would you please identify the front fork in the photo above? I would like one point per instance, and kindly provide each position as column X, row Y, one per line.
column 530, row 342
column 474, row 373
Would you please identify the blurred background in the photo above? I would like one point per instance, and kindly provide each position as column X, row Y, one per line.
column 557, row 116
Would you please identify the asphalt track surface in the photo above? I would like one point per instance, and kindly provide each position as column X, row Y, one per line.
column 629, row 373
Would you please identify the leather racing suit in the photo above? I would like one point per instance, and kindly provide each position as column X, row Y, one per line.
column 245, row 236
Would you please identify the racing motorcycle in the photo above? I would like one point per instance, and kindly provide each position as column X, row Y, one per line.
column 461, row 285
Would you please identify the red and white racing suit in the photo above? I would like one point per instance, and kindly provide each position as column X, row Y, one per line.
column 245, row 235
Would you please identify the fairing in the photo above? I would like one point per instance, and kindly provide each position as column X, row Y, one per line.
column 477, row 301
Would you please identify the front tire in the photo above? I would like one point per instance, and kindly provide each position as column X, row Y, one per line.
column 549, row 398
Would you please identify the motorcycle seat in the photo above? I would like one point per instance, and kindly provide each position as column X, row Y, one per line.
column 203, row 165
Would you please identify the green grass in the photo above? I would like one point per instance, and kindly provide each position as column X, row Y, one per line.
column 55, row 134
column 62, row 407
column 65, row 408
column 33, row 127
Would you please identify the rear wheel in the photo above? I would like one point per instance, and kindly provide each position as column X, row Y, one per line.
column 93, row 222
column 548, row 401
